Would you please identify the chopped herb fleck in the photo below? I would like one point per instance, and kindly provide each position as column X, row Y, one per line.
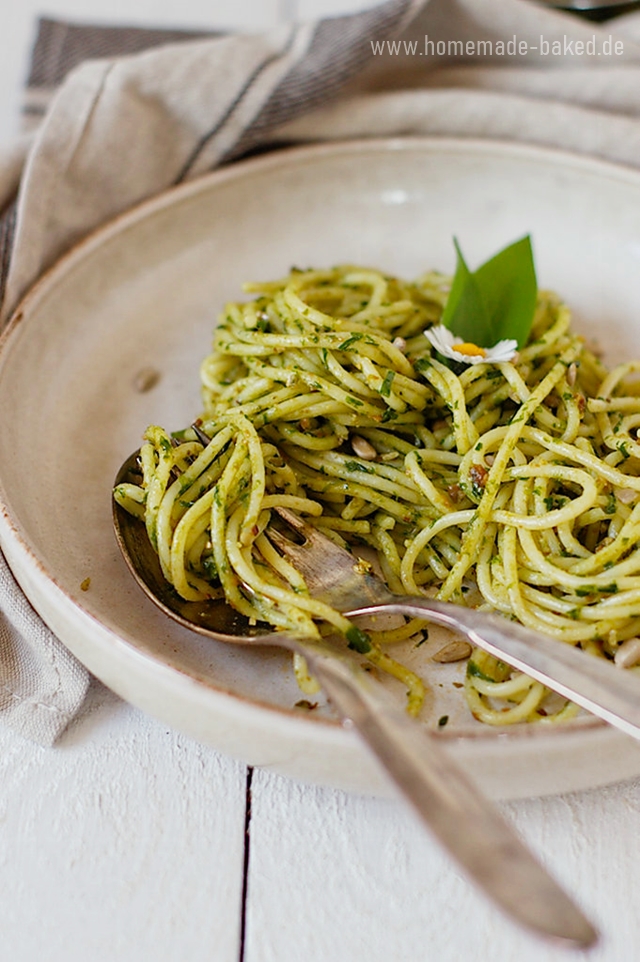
column 385, row 387
column 346, row 345
column 475, row 672
column 358, row 640
column 357, row 466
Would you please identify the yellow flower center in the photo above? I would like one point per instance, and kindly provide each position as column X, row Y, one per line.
column 471, row 350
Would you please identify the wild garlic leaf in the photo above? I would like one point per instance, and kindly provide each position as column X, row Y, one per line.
column 509, row 289
column 497, row 301
column 465, row 313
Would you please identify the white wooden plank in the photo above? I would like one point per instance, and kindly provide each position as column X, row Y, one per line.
column 124, row 842
column 339, row 877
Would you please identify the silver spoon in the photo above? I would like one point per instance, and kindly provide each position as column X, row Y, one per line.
column 468, row 826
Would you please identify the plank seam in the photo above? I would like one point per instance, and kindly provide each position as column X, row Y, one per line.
column 246, row 856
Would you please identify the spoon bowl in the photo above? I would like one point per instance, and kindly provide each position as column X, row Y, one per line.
column 214, row 617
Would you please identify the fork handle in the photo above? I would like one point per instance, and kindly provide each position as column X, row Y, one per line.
column 465, row 823
column 593, row 683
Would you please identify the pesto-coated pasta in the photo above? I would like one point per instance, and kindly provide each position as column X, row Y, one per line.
column 512, row 486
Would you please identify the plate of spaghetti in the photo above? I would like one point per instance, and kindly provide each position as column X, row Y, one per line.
column 293, row 305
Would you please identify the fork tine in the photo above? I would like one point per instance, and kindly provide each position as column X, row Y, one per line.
column 316, row 549
column 203, row 438
column 313, row 539
column 295, row 521
column 332, row 573
column 287, row 548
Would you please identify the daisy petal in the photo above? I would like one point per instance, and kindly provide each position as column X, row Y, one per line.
column 448, row 345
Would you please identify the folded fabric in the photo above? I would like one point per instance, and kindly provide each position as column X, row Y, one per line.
column 481, row 68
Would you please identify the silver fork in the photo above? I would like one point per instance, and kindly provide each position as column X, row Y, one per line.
column 344, row 581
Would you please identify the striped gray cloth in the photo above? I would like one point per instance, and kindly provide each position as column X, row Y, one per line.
column 178, row 104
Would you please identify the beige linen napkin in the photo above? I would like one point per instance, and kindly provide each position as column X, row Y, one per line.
column 481, row 68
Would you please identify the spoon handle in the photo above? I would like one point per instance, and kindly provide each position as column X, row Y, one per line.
column 593, row 683
column 468, row 826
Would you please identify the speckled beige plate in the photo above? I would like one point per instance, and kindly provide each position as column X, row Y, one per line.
column 133, row 307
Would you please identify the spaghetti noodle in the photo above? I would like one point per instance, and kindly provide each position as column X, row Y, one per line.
column 512, row 486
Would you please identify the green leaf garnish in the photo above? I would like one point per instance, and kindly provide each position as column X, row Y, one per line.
column 497, row 301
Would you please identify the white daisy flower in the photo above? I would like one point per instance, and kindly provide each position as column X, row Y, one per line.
column 454, row 347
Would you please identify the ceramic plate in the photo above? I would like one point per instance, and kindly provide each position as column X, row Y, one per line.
column 111, row 340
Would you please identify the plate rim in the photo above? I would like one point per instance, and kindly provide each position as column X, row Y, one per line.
column 175, row 192
column 129, row 218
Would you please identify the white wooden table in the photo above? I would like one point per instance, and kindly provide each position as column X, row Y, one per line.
column 128, row 842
